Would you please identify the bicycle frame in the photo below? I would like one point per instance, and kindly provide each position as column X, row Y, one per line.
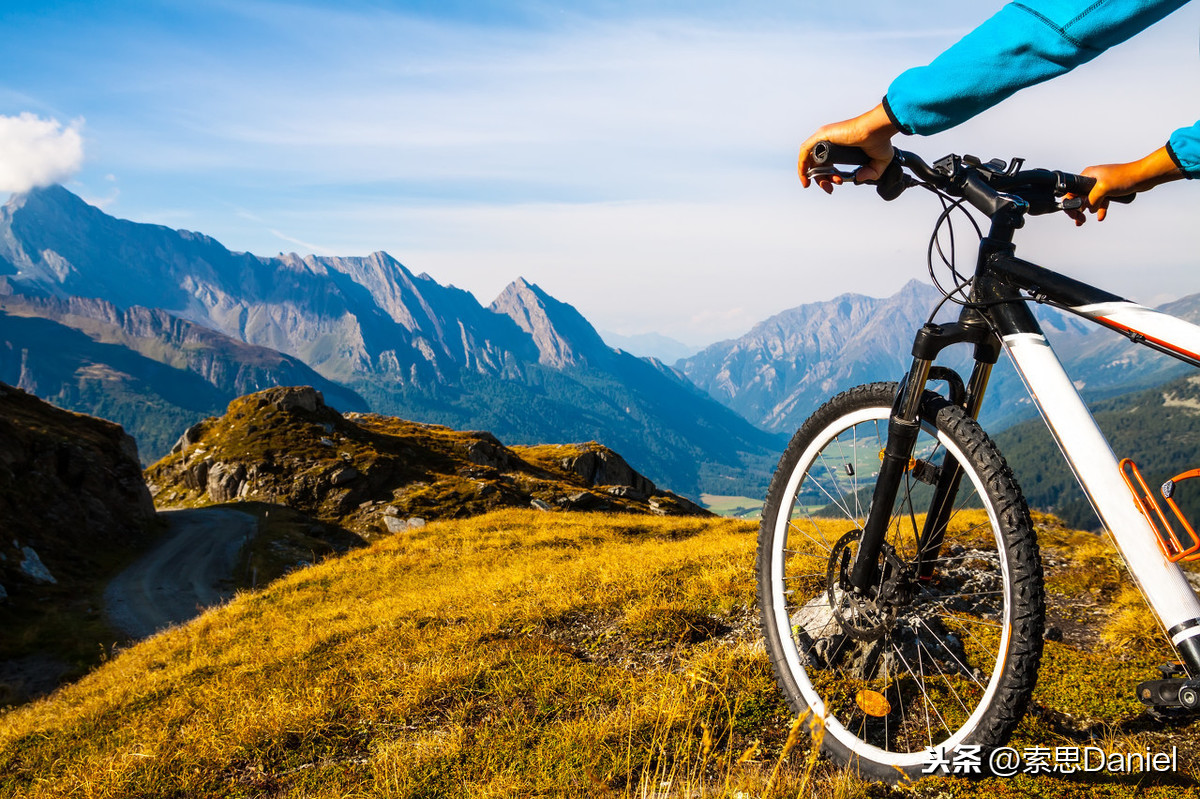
column 1004, row 315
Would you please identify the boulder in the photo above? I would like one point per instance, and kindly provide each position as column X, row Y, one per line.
column 603, row 467
column 190, row 437
column 195, row 476
column 225, row 481
column 486, row 450
column 342, row 475
column 292, row 398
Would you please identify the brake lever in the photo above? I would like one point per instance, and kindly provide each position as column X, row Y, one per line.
column 889, row 186
column 817, row 172
column 1076, row 203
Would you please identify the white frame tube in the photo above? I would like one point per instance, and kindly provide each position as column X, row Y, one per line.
column 1091, row 459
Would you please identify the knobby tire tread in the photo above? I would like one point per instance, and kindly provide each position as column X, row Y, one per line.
column 1028, row 600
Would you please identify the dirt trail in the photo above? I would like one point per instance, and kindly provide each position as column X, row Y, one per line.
column 188, row 571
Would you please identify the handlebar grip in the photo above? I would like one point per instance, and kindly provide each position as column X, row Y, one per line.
column 1081, row 186
column 826, row 154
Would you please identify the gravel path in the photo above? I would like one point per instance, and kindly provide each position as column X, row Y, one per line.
column 189, row 570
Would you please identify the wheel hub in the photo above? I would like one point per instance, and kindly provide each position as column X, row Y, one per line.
column 866, row 616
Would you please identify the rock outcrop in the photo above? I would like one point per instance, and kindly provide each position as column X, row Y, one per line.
column 374, row 474
column 71, row 494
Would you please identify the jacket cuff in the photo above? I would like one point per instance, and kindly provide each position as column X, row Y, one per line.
column 900, row 126
column 1178, row 163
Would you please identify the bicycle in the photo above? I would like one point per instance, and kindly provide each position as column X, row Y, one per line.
column 899, row 580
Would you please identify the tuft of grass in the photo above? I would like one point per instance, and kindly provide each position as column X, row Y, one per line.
column 1132, row 625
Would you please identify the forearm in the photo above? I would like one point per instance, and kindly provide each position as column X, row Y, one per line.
column 1021, row 45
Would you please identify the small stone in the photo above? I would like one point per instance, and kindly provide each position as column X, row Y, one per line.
column 32, row 565
column 539, row 504
column 415, row 523
column 343, row 475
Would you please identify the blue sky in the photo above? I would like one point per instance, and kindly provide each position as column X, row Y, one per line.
column 634, row 159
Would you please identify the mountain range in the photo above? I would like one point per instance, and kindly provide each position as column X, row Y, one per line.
column 784, row 367
column 527, row 367
column 156, row 328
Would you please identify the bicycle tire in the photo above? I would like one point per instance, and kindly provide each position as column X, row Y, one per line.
column 954, row 658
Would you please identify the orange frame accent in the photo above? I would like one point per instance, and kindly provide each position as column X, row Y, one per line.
column 1168, row 542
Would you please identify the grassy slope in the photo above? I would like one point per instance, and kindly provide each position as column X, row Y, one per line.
column 524, row 653
column 1158, row 428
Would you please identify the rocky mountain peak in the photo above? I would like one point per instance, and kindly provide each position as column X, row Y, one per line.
column 562, row 335
column 785, row 366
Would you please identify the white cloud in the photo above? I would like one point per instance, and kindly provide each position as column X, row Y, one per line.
column 37, row 152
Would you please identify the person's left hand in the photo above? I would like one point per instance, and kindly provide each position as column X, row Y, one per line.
column 1119, row 180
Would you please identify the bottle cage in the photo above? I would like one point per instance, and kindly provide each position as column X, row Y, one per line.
column 1168, row 540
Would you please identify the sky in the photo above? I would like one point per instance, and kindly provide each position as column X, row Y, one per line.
column 634, row 159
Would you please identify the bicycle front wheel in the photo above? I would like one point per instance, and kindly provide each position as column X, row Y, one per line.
column 943, row 652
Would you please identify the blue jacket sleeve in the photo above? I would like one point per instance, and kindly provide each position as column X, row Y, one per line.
column 1184, row 147
column 1023, row 44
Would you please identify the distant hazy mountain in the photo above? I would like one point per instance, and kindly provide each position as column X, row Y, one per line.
column 651, row 345
column 529, row 368
column 786, row 366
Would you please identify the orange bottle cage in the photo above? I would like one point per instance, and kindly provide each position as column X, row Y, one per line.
column 1168, row 541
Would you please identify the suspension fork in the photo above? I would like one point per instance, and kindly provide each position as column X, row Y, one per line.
column 929, row 544
column 904, row 425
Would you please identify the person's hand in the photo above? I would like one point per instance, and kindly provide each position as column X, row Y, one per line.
column 1119, row 180
column 872, row 132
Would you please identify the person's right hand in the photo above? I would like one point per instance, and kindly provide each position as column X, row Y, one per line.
column 872, row 132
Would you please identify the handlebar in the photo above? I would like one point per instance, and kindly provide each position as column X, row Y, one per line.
column 993, row 187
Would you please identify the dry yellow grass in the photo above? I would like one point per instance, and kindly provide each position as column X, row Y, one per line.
column 513, row 654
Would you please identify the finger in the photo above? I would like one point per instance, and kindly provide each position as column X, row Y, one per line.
column 865, row 173
column 805, row 162
column 1102, row 212
column 828, row 182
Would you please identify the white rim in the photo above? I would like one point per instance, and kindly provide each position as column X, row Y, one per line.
column 782, row 620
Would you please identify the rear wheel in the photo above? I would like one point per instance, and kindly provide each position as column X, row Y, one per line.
column 928, row 658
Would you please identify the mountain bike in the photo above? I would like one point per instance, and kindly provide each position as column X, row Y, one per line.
column 900, row 585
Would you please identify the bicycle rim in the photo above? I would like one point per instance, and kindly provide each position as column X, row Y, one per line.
column 890, row 681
